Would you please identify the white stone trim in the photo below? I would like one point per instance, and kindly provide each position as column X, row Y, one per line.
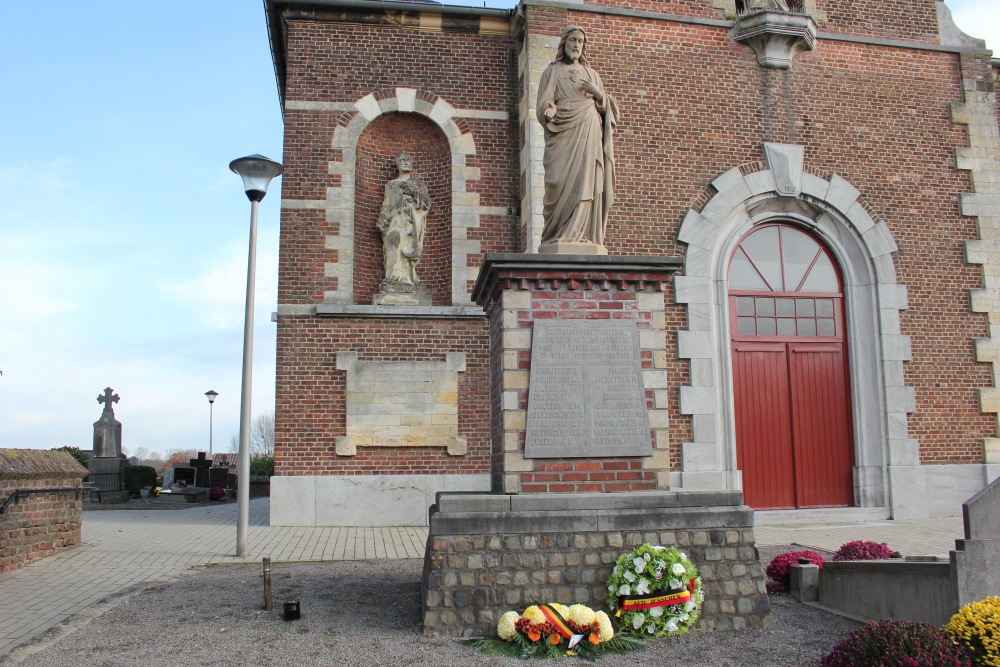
column 832, row 210
column 535, row 56
column 982, row 159
column 362, row 500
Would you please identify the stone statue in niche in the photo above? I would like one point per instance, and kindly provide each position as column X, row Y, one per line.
column 579, row 119
column 402, row 224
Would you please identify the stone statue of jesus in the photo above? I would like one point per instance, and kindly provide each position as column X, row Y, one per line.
column 579, row 118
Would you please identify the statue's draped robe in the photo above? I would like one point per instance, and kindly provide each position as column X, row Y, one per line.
column 579, row 155
column 400, row 214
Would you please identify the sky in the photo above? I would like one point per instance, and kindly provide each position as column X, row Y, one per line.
column 123, row 234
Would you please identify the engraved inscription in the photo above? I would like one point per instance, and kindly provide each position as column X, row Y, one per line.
column 586, row 396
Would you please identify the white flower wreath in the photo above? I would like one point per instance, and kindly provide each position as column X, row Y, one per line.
column 656, row 591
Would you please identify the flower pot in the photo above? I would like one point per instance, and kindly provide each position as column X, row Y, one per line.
column 144, row 493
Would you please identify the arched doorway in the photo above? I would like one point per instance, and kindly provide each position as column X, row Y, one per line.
column 791, row 392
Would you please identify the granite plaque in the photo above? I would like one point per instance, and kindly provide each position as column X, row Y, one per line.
column 586, row 397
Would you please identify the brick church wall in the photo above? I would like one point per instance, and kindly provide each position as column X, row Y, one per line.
column 334, row 64
column 311, row 412
column 695, row 104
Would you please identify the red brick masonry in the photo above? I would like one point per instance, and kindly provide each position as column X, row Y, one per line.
column 44, row 523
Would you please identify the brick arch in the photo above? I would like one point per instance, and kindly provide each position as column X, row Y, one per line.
column 464, row 213
column 783, row 190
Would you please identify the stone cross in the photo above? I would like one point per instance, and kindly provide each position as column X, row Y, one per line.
column 108, row 398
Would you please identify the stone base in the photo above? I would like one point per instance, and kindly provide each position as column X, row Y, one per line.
column 392, row 294
column 490, row 553
column 566, row 248
column 191, row 494
column 389, row 500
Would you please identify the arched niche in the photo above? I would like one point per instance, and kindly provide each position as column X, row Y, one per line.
column 341, row 201
column 379, row 144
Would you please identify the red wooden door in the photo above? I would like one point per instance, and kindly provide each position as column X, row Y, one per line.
column 764, row 424
column 794, row 441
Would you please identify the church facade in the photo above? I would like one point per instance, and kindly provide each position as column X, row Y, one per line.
column 826, row 174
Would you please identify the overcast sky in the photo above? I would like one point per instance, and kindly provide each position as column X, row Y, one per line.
column 123, row 235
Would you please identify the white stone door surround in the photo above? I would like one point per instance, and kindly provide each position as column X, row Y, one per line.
column 887, row 472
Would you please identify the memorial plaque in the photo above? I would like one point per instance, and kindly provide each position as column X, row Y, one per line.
column 586, row 397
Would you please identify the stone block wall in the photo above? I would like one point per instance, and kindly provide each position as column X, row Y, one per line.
column 552, row 552
column 42, row 524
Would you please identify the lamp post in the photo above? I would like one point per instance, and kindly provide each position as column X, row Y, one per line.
column 211, row 393
column 256, row 172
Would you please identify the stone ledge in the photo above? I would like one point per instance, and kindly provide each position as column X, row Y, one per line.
column 473, row 502
column 613, row 517
column 433, row 312
column 595, row 267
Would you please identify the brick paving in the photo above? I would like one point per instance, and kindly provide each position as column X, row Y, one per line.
column 126, row 549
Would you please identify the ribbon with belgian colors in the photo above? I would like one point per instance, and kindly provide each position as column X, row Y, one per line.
column 671, row 597
column 556, row 619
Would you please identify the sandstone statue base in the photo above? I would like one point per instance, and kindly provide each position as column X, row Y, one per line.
column 393, row 294
column 567, row 248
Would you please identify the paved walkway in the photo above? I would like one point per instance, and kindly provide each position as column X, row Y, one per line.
column 127, row 549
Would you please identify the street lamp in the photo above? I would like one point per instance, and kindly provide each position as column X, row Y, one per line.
column 256, row 172
column 211, row 393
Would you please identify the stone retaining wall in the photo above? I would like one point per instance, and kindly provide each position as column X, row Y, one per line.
column 520, row 557
column 44, row 523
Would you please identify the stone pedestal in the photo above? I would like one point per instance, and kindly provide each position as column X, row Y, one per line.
column 491, row 553
column 578, row 372
column 107, row 436
column 394, row 294
column 580, row 460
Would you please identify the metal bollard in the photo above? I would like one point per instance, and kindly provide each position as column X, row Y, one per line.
column 267, row 583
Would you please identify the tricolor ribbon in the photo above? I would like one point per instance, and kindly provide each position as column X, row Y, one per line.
column 671, row 597
column 556, row 619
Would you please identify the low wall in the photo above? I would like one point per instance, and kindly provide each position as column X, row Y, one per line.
column 900, row 589
column 39, row 524
column 488, row 554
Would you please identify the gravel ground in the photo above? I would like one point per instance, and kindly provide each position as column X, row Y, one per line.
column 360, row 613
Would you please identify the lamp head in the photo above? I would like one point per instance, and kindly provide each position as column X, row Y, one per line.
column 256, row 172
column 211, row 393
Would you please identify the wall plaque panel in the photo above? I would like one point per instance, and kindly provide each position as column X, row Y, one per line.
column 586, row 397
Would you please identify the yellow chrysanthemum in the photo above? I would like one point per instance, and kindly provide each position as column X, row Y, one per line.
column 505, row 628
column 977, row 625
column 561, row 608
column 604, row 623
column 581, row 615
column 534, row 615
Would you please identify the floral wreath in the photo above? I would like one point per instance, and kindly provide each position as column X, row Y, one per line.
column 656, row 591
column 555, row 631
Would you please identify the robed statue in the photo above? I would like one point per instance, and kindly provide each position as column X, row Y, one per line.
column 402, row 223
column 579, row 119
